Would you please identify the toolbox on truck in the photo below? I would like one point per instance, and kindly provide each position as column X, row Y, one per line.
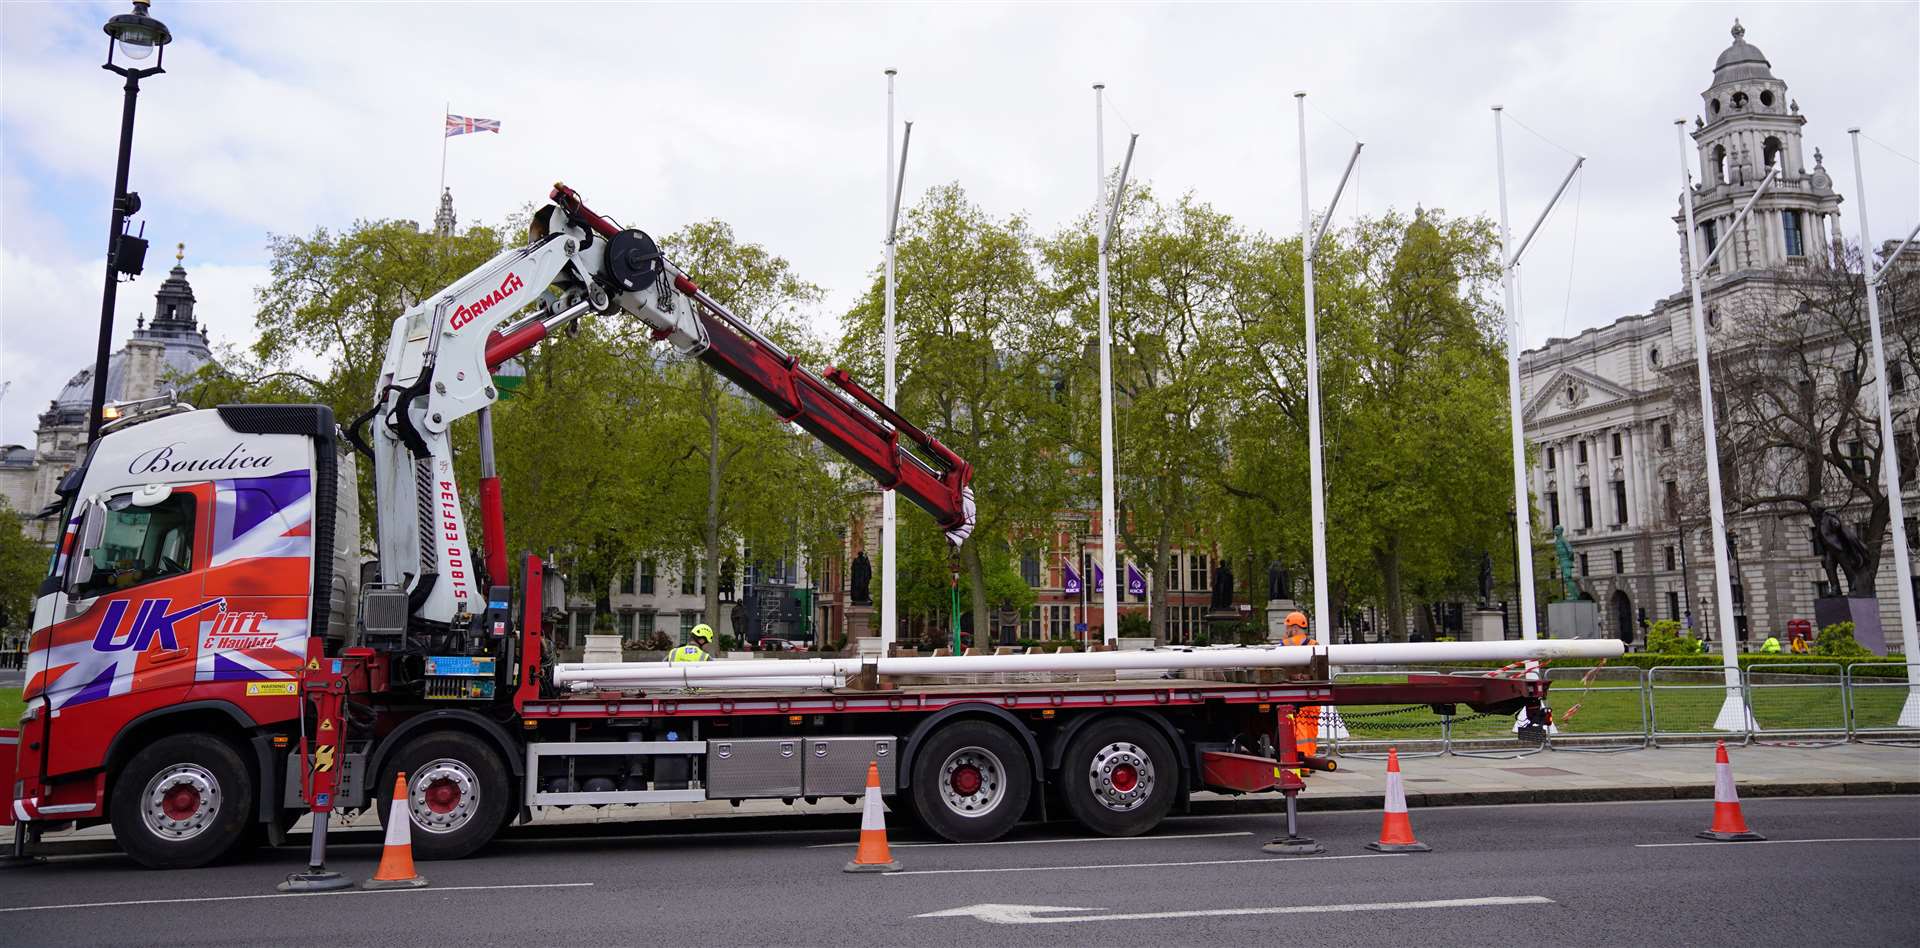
column 760, row 767
column 837, row 766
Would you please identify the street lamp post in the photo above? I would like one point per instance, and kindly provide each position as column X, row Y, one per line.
column 134, row 36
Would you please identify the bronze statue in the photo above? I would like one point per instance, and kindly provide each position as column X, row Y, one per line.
column 1222, row 587
column 1486, row 578
column 862, row 578
column 1279, row 584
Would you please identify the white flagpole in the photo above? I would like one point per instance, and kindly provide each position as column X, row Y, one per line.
column 889, row 542
column 1889, row 455
column 444, row 112
column 1321, row 628
column 1733, row 713
column 1110, row 607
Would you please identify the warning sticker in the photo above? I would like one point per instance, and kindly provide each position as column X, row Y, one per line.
column 272, row 688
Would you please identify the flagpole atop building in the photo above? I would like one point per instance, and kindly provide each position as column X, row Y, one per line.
column 1889, row 457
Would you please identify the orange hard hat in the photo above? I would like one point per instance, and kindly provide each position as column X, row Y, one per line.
column 1297, row 619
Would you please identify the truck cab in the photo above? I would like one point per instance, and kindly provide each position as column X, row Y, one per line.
column 202, row 550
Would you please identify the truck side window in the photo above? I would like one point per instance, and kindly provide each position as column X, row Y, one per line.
column 141, row 544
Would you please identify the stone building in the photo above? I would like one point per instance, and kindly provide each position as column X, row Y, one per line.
column 1603, row 409
column 161, row 351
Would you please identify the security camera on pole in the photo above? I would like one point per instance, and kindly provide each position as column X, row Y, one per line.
column 1734, row 715
column 1889, row 458
column 1110, row 215
column 1509, row 266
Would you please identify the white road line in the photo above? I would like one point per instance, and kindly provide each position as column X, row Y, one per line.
column 298, row 895
column 1753, row 842
column 1035, row 842
column 1030, row 914
column 1142, row 865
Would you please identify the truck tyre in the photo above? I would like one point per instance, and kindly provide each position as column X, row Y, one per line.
column 971, row 782
column 1119, row 777
column 457, row 793
column 183, row 801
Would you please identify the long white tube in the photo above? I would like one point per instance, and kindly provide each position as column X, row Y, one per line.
column 1522, row 503
column 1316, row 477
column 889, row 510
column 1733, row 711
column 1391, row 653
column 1889, row 457
column 1109, row 602
column 745, row 682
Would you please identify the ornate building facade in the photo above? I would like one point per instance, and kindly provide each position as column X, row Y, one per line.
column 1608, row 410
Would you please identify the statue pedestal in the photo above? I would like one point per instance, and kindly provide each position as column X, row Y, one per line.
column 1484, row 625
column 1579, row 619
column 602, row 648
column 1277, row 610
column 862, row 621
column 1862, row 611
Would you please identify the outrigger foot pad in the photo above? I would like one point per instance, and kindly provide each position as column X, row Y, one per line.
column 1294, row 846
column 315, row 879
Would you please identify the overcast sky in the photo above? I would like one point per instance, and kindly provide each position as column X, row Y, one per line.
column 280, row 118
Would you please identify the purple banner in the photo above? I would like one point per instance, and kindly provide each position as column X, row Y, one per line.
column 1072, row 582
column 1099, row 579
column 1136, row 583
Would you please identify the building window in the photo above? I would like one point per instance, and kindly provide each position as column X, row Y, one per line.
column 1673, row 605
column 1620, row 503
column 1616, row 444
column 1653, row 354
column 1030, row 568
column 646, row 577
column 1197, row 579
column 643, row 625
column 1582, row 448
column 1553, row 509
column 1909, row 523
column 1550, row 453
column 626, row 583
column 687, row 621
column 1583, row 565
column 1710, row 237
column 1857, row 457
column 1666, row 435
column 1059, row 622
column 1850, row 378
column 1896, row 377
column 1790, row 224
column 1173, row 572
column 1586, row 507
column 1673, row 499
column 1619, row 562
column 1669, row 556
column 1903, row 441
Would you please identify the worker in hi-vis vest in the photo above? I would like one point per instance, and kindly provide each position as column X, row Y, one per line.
column 1306, row 719
column 696, row 650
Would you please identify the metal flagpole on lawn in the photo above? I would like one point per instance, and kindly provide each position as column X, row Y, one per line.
column 889, row 567
column 1110, row 213
column 1889, row 457
column 1309, row 247
column 1734, row 715
column 1509, row 263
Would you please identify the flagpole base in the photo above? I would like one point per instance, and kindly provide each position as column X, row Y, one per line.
column 1910, row 712
column 1734, row 715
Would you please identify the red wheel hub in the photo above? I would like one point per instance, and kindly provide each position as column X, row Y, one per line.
column 1125, row 778
column 180, row 803
column 442, row 796
column 966, row 780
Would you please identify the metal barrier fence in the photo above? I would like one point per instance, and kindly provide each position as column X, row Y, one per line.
column 1877, row 699
column 1608, row 709
column 1805, row 700
column 1599, row 709
column 1685, row 702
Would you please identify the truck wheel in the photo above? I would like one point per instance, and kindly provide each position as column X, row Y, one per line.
column 456, row 792
column 183, row 801
column 1119, row 777
column 971, row 781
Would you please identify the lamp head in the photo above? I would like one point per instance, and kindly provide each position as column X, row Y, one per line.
column 136, row 35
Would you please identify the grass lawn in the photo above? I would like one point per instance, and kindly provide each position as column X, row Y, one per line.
column 11, row 707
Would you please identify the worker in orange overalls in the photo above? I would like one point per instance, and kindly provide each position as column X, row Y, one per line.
column 1306, row 720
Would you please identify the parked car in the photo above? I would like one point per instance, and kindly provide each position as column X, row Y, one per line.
column 771, row 644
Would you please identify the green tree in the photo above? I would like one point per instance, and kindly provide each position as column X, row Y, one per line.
column 22, row 563
column 978, row 363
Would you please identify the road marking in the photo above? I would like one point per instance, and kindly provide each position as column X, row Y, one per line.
column 297, row 895
column 1029, row 914
column 1138, row 865
column 1749, row 842
column 1034, row 842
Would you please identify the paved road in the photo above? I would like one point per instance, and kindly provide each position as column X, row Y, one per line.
column 1552, row 874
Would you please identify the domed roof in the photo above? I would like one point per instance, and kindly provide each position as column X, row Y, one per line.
column 1742, row 60
column 183, row 349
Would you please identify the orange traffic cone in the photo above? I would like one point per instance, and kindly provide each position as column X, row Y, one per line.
column 873, row 856
column 396, row 859
column 1728, row 824
column 1396, row 831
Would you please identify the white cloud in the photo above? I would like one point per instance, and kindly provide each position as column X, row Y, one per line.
column 283, row 117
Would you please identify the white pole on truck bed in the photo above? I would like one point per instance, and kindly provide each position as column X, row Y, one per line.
column 1889, row 458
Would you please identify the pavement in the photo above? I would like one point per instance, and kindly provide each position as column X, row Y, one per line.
column 1682, row 772
column 1835, row 870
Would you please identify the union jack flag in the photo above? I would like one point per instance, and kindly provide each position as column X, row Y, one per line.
column 467, row 124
